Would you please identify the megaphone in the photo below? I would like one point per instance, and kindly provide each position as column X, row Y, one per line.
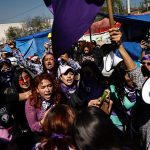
column 146, row 91
column 110, row 61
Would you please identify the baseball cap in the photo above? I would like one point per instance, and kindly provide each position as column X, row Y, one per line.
column 63, row 69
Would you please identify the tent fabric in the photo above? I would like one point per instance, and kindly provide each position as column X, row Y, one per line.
column 31, row 44
column 135, row 26
column 132, row 19
column 133, row 48
column 71, row 21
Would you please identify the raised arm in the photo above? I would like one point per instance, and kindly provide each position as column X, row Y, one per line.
column 116, row 36
column 134, row 72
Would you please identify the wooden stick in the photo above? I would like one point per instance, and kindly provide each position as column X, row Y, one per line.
column 110, row 12
column 90, row 34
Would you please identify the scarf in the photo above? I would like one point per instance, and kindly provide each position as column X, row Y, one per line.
column 68, row 90
column 130, row 93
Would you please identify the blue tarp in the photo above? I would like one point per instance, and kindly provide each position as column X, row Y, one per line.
column 135, row 26
column 132, row 19
column 140, row 20
column 31, row 44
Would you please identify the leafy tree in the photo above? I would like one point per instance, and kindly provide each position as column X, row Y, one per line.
column 37, row 24
column 117, row 6
column 30, row 26
column 13, row 33
column 145, row 5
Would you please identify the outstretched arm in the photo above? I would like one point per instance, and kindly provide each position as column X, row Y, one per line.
column 116, row 36
column 134, row 72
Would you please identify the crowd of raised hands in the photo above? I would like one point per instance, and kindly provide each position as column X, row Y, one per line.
column 87, row 99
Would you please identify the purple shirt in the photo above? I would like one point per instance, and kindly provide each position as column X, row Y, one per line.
column 34, row 115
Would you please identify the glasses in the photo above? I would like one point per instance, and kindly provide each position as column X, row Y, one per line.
column 22, row 80
column 145, row 63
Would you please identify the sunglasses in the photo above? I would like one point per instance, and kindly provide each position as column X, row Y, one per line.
column 144, row 63
column 22, row 80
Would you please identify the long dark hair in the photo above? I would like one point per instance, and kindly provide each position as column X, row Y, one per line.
column 58, row 128
column 17, row 73
column 35, row 99
column 118, row 79
column 43, row 59
column 93, row 130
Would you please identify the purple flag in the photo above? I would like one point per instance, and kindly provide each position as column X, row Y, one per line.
column 72, row 18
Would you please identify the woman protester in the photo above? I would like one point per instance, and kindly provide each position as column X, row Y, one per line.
column 49, row 64
column 68, row 86
column 93, row 130
column 124, row 96
column 42, row 98
column 87, row 53
column 142, row 113
column 22, row 81
column 57, row 127
column 6, row 73
column 16, row 96
column 15, row 90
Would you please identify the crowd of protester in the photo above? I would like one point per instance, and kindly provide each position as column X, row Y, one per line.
column 75, row 102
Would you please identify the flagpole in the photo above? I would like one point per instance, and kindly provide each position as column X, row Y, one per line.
column 90, row 34
column 110, row 12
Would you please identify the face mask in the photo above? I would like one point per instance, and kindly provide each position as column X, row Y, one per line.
column 6, row 74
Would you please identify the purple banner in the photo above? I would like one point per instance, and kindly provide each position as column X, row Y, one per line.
column 72, row 18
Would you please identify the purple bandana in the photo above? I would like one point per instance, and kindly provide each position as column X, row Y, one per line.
column 68, row 91
column 72, row 18
column 58, row 136
column 146, row 57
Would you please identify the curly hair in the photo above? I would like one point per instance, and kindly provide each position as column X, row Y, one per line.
column 88, row 45
column 35, row 98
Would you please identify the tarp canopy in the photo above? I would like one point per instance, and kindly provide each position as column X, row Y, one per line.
column 135, row 26
column 143, row 19
column 31, row 44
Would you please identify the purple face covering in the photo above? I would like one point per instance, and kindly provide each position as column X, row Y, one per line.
column 72, row 18
column 146, row 57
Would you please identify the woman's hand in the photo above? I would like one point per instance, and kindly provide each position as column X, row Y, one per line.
column 115, row 35
column 25, row 95
column 105, row 105
column 65, row 57
column 44, row 117
column 94, row 102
